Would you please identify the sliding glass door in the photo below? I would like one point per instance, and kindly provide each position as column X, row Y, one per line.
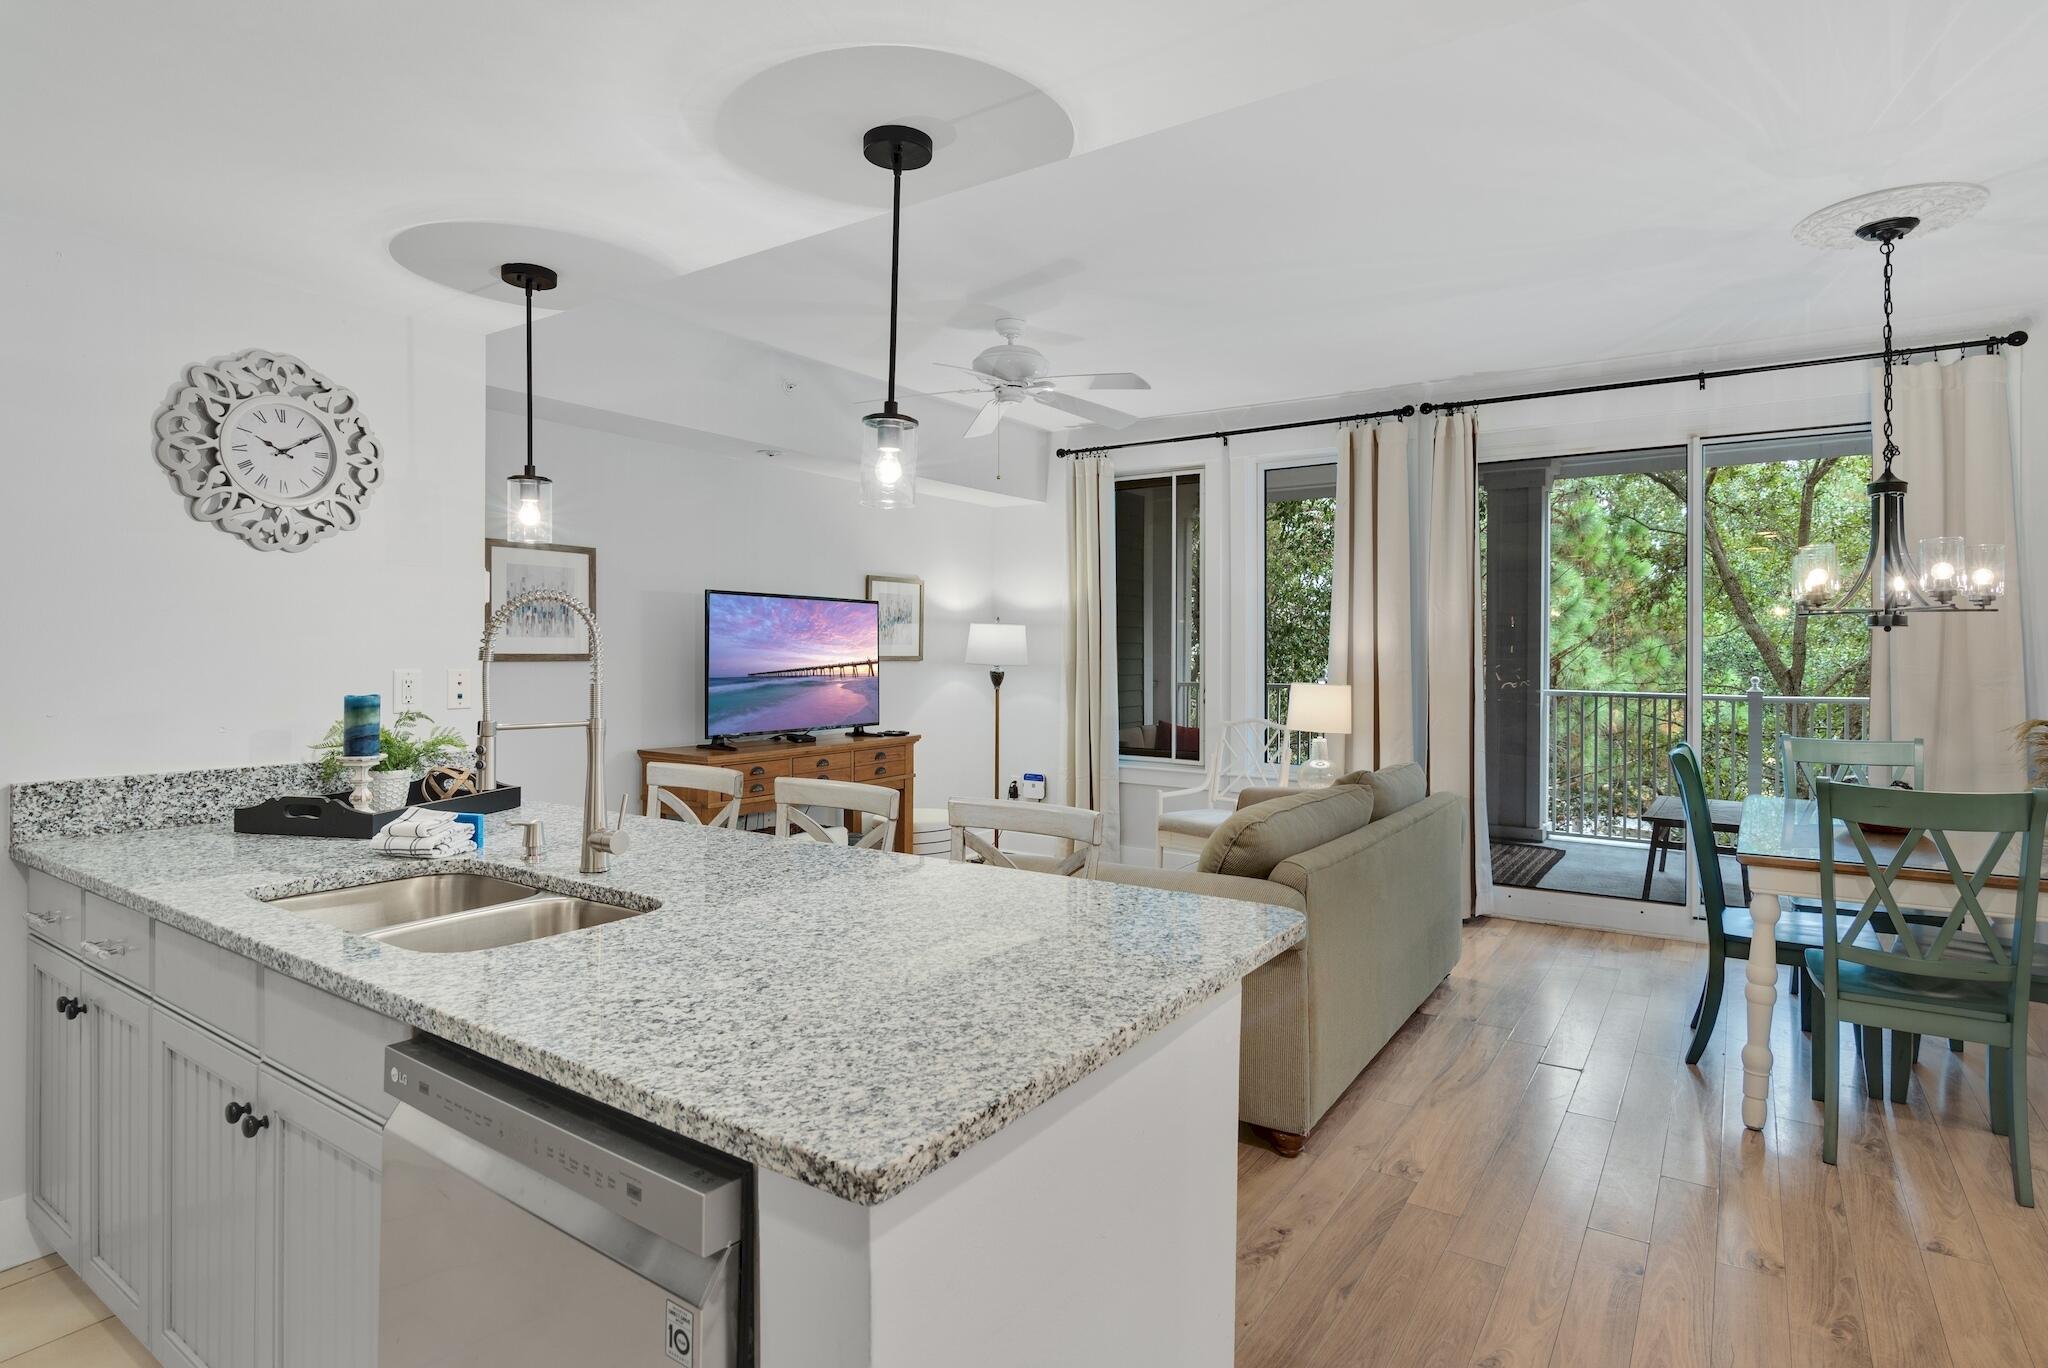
column 1599, row 660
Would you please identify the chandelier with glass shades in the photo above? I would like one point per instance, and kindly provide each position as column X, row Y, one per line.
column 1943, row 574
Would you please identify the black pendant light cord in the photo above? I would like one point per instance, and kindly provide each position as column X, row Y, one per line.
column 895, row 261
column 529, row 380
column 1891, row 448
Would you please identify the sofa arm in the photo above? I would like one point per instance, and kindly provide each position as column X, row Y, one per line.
column 1209, row 885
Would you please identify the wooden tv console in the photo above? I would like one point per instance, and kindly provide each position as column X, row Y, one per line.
column 885, row 761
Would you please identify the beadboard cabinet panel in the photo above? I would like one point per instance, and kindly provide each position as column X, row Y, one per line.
column 205, row 1206
column 318, row 1208
column 114, row 1236
column 55, row 1052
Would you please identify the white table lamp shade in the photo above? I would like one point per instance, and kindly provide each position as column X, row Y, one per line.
column 995, row 643
column 1322, row 708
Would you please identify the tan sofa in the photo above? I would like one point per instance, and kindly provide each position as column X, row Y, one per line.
column 1376, row 871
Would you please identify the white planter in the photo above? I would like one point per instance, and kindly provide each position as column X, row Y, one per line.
column 388, row 789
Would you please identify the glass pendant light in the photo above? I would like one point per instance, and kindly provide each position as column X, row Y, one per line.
column 1897, row 578
column 888, row 463
column 529, row 495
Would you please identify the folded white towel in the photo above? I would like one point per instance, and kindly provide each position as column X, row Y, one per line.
column 439, row 844
column 416, row 821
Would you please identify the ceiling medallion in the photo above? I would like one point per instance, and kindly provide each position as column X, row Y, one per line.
column 1937, row 205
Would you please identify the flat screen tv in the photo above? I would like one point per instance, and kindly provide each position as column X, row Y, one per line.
column 777, row 664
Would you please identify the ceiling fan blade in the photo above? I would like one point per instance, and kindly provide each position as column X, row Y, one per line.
column 1082, row 408
column 985, row 421
column 948, row 365
column 1123, row 380
column 979, row 389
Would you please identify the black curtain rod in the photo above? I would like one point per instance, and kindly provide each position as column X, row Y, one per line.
column 1990, row 344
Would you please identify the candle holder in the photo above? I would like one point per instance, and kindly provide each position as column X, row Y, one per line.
column 359, row 767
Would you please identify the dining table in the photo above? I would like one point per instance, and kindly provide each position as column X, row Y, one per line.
column 1779, row 847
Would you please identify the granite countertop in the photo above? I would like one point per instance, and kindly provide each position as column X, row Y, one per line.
column 849, row 1018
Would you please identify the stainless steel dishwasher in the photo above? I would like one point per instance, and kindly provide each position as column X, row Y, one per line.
column 524, row 1227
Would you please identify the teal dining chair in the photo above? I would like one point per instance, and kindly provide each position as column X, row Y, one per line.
column 1729, row 929
column 1925, row 979
column 1805, row 760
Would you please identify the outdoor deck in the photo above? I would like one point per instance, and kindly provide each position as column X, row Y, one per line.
column 1614, row 869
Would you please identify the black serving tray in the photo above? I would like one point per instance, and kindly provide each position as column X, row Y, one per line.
column 330, row 814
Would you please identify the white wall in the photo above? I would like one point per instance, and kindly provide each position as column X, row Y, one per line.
column 670, row 521
column 137, row 639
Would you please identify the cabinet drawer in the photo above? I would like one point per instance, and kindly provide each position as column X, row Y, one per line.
column 55, row 909
column 116, row 940
column 329, row 1041
column 881, row 762
column 837, row 765
column 207, row 983
column 752, row 770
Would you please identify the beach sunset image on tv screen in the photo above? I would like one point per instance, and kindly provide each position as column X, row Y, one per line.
column 775, row 664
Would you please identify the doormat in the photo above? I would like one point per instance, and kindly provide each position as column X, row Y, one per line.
column 1523, row 866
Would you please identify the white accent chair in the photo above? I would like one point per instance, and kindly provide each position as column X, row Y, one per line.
column 1247, row 753
column 792, row 796
column 969, row 817
column 700, row 779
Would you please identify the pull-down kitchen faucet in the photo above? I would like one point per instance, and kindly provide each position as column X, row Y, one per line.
column 599, row 844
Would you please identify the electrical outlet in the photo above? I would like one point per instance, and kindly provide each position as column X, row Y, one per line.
column 461, row 685
column 405, row 689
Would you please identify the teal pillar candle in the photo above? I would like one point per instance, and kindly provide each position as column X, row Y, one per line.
column 360, row 725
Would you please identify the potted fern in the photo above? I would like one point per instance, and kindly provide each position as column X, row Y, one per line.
column 410, row 744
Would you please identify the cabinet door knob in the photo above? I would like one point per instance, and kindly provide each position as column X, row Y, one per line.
column 75, row 1010
column 252, row 1124
column 238, row 1110
column 64, row 1006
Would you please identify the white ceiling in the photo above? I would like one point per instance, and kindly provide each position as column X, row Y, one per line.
column 300, row 137
column 1602, row 182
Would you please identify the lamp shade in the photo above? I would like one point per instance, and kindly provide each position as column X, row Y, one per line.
column 995, row 643
column 1319, row 708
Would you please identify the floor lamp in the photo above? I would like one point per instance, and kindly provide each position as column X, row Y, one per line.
column 996, row 644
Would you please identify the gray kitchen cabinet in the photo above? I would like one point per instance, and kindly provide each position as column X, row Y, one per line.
column 55, row 1052
column 205, row 1198
column 114, row 1227
column 318, row 1196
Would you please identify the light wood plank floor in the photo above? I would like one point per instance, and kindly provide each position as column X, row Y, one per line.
column 1529, row 1174
column 49, row 1319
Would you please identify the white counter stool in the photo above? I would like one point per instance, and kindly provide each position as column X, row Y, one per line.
column 931, row 832
column 697, row 778
column 792, row 796
column 1080, row 826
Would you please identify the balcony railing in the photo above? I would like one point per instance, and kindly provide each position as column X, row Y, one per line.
column 1609, row 751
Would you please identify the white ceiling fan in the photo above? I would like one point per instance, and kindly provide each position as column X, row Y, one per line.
column 1013, row 373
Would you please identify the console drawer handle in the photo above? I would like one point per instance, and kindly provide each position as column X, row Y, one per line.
column 881, row 770
column 758, row 769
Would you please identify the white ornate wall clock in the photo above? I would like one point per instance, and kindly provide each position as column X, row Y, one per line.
column 268, row 448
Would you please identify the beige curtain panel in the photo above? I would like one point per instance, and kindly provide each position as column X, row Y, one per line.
column 1457, row 740
column 1091, row 626
column 1955, row 682
column 1372, row 642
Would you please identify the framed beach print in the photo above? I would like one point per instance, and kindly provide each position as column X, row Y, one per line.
column 902, row 601
column 541, row 631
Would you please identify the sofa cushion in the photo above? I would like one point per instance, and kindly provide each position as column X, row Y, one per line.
column 1394, row 788
column 1263, row 793
column 1261, row 836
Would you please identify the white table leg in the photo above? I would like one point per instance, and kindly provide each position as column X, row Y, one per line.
column 1762, row 992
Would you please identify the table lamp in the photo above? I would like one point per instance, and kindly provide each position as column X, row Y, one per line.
column 1321, row 708
column 996, row 644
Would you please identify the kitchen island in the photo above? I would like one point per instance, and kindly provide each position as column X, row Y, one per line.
column 990, row 1113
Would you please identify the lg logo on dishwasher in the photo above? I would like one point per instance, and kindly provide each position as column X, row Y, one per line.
column 682, row 1331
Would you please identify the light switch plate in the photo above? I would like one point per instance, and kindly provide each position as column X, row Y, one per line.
column 405, row 689
column 461, row 687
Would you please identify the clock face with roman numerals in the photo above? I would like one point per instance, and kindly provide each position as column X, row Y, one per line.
column 277, row 450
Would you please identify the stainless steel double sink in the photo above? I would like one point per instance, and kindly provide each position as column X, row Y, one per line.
column 451, row 913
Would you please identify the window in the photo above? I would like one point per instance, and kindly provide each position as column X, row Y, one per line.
column 1159, row 616
column 1300, row 568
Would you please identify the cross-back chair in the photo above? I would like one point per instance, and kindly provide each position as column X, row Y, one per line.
column 1082, row 827
column 662, row 778
column 793, row 795
column 1968, row 977
column 1804, row 760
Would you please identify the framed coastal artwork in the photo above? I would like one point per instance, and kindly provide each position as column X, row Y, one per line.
column 541, row 631
column 902, row 601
